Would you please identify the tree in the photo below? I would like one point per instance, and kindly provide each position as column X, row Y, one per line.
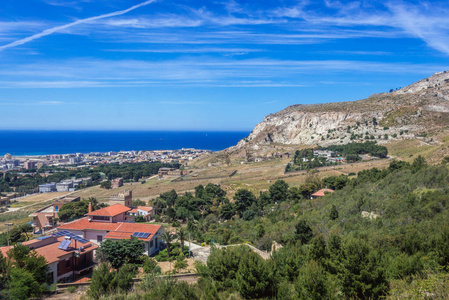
column 27, row 273
column 223, row 265
column 106, row 185
column 123, row 280
column 23, row 285
column 279, row 191
column 119, row 252
column 149, row 264
column 169, row 197
column 227, row 211
column 362, row 275
column 243, row 200
column 138, row 202
column 418, row 164
column 254, row 278
column 313, row 283
column 182, row 236
column 168, row 238
column 333, row 215
column 102, row 278
column 180, row 263
column 303, row 232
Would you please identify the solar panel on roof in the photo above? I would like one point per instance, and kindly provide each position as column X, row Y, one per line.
column 64, row 245
column 146, row 235
column 136, row 234
column 141, row 234
column 43, row 237
column 71, row 235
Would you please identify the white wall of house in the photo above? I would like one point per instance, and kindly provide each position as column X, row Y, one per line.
column 92, row 235
column 53, row 268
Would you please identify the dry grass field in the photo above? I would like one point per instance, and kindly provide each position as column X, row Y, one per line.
column 252, row 176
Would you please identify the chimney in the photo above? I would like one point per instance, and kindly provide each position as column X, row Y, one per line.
column 90, row 208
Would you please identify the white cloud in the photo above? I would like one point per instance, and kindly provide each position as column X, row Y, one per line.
column 203, row 71
column 78, row 22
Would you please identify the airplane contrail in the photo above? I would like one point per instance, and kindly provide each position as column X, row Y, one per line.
column 55, row 29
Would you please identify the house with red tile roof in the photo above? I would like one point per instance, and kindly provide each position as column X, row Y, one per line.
column 43, row 219
column 67, row 259
column 114, row 222
column 145, row 211
column 112, row 214
column 321, row 193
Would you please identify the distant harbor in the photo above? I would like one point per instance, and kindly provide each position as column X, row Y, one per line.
column 41, row 142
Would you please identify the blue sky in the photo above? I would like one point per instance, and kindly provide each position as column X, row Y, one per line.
column 205, row 65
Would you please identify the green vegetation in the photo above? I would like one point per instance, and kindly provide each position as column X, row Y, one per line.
column 121, row 252
column 332, row 248
column 305, row 160
column 75, row 210
column 23, row 274
column 106, row 281
column 359, row 148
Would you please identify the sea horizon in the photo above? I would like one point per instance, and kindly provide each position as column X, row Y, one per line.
column 46, row 142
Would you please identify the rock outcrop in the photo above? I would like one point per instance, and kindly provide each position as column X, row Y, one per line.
column 411, row 112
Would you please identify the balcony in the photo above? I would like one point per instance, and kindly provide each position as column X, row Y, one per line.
column 83, row 267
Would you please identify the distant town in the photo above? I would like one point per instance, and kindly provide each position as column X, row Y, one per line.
column 80, row 160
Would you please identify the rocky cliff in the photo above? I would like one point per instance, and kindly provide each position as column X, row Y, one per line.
column 414, row 111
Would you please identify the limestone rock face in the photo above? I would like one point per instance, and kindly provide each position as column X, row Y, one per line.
column 410, row 112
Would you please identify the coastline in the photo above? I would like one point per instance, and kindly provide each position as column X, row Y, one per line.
column 32, row 143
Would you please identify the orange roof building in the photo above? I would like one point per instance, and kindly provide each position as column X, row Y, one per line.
column 67, row 259
column 145, row 211
column 97, row 231
column 321, row 193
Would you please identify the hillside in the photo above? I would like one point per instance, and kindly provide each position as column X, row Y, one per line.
column 413, row 112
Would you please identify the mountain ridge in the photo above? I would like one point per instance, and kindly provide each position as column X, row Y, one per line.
column 415, row 111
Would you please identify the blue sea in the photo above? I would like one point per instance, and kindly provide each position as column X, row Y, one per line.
column 21, row 142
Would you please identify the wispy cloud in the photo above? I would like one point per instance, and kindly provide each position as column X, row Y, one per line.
column 429, row 23
column 190, row 50
column 204, row 71
column 78, row 22
column 33, row 103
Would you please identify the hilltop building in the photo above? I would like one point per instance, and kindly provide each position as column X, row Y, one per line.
column 170, row 172
column 116, row 183
column 125, row 198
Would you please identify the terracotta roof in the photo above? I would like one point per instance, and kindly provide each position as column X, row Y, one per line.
column 110, row 211
column 50, row 252
column 138, row 227
column 145, row 208
column 113, row 228
column 84, row 223
column 134, row 210
column 322, row 192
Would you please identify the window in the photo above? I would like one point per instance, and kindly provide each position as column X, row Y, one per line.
column 67, row 263
column 99, row 238
column 100, row 218
column 151, row 244
column 56, row 208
